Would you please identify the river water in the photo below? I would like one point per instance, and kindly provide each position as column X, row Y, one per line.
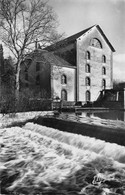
column 112, row 118
column 40, row 160
column 113, row 115
column 110, row 115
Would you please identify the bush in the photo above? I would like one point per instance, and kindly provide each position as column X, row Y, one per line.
column 7, row 104
column 28, row 102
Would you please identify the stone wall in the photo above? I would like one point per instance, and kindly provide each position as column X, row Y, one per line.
column 44, row 87
column 83, row 45
column 73, row 66
column 56, row 85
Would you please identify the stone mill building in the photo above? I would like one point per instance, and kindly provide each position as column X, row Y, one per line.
column 74, row 69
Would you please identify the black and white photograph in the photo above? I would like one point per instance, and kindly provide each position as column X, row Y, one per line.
column 62, row 97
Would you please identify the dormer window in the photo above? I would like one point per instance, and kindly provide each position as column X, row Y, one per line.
column 96, row 43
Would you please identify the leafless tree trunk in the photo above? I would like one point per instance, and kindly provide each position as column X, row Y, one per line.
column 21, row 23
column 18, row 79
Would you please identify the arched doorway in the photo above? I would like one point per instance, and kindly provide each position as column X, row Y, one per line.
column 88, row 96
column 103, row 83
column 64, row 95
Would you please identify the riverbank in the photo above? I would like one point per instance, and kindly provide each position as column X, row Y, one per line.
column 13, row 119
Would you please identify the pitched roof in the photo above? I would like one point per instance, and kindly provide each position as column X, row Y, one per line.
column 106, row 39
column 53, row 59
column 72, row 38
column 67, row 40
column 49, row 57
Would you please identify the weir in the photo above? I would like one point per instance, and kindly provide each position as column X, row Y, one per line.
column 106, row 133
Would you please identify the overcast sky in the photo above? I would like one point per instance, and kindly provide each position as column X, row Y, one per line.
column 77, row 15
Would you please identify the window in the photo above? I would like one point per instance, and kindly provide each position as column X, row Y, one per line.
column 103, row 59
column 38, row 80
column 88, row 96
column 88, row 55
column 64, row 95
column 88, row 82
column 96, row 43
column 27, row 85
column 63, row 79
column 26, row 69
column 38, row 66
column 103, row 70
column 103, row 83
column 26, row 78
column 87, row 68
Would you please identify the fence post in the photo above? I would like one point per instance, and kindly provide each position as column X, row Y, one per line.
column 124, row 99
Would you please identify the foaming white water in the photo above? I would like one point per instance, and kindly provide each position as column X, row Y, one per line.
column 9, row 119
column 35, row 161
column 38, row 159
column 112, row 150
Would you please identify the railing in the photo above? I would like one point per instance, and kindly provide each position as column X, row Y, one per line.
column 63, row 104
column 68, row 104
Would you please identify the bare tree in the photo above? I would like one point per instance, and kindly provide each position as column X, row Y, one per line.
column 21, row 23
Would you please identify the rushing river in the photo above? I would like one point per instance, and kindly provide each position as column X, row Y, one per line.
column 39, row 160
column 35, row 159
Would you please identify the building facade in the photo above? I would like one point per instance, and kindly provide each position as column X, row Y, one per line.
column 74, row 69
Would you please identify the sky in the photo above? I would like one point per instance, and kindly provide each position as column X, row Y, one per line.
column 77, row 15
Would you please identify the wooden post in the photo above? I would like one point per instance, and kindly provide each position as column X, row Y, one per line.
column 117, row 96
column 124, row 99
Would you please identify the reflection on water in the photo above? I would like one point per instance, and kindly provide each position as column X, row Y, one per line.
column 111, row 118
column 111, row 115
